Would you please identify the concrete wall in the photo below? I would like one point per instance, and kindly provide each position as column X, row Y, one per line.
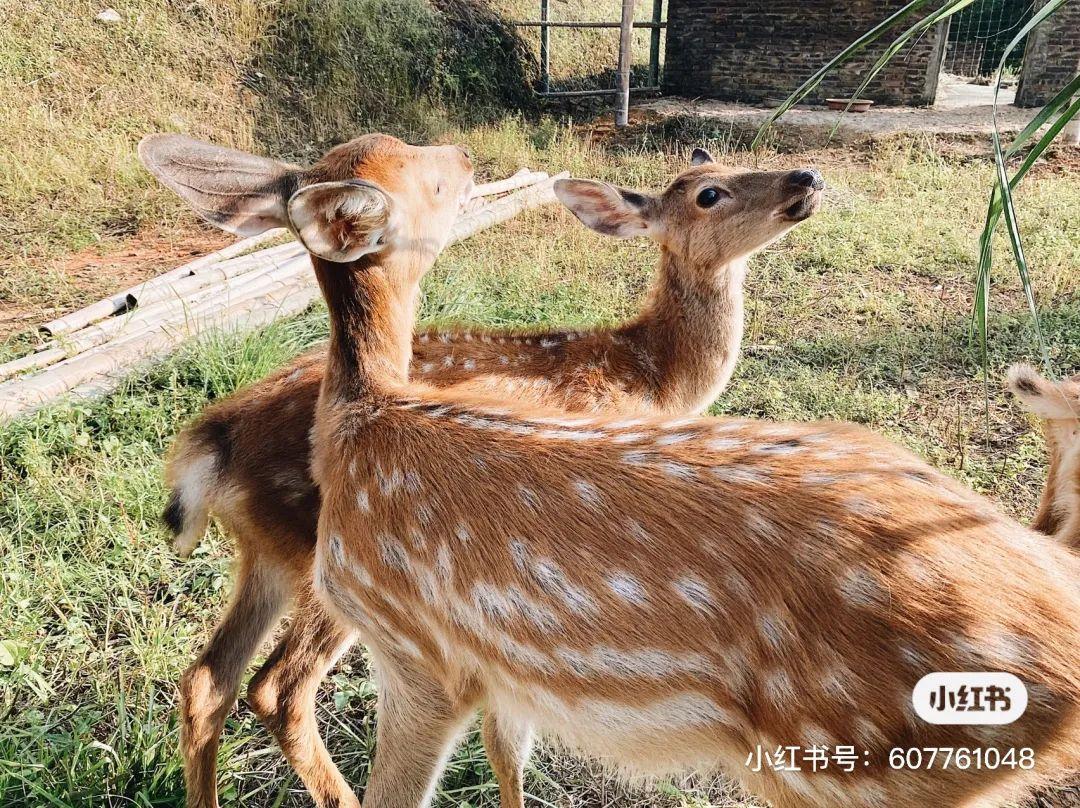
column 1051, row 57
column 745, row 51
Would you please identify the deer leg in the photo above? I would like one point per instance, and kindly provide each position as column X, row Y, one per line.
column 418, row 725
column 282, row 693
column 507, row 745
column 208, row 688
column 1046, row 520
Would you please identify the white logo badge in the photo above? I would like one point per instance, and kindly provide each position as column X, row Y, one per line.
column 970, row 698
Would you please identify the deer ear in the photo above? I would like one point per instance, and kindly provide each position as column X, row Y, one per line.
column 341, row 221
column 700, row 157
column 239, row 192
column 609, row 210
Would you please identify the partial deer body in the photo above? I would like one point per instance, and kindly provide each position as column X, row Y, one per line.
column 1057, row 404
column 664, row 593
column 246, row 459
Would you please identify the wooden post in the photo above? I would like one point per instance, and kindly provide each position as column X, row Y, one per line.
column 1070, row 135
column 545, row 48
column 654, row 43
column 626, row 41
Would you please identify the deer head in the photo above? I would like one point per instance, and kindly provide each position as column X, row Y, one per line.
column 374, row 194
column 709, row 216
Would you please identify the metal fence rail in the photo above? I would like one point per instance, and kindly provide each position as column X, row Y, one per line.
column 545, row 24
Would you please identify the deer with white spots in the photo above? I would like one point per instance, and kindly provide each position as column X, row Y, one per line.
column 661, row 593
column 1057, row 404
column 246, row 459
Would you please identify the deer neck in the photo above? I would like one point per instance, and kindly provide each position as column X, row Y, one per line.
column 372, row 306
column 690, row 331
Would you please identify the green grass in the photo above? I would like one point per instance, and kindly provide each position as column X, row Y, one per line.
column 861, row 313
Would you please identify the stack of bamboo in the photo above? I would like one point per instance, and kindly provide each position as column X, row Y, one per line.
column 238, row 287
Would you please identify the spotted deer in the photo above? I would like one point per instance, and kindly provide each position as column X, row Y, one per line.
column 246, row 459
column 1057, row 404
column 663, row 593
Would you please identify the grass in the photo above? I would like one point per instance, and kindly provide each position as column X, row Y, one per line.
column 861, row 313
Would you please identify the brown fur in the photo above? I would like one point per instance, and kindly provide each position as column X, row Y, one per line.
column 674, row 357
column 1057, row 405
column 623, row 603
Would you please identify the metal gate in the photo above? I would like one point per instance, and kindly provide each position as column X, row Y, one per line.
column 547, row 25
column 979, row 34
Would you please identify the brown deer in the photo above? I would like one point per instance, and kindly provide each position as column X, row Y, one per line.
column 1058, row 405
column 664, row 593
column 246, row 458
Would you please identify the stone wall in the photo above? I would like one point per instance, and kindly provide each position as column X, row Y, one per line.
column 743, row 51
column 1051, row 57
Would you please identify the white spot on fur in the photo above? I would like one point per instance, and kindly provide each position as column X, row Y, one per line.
column 427, row 367
column 627, row 587
column 588, row 493
column 462, row 533
column 775, row 632
column 520, row 553
column 388, row 481
column 695, row 592
column 779, row 688
column 725, row 444
column 741, row 475
column 469, row 364
column 529, row 498
column 736, row 584
column 448, row 361
column 680, row 471
column 638, row 532
column 861, row 587
column 337, row 552
column 444, row 564
column 570, row 434
column 393, row 552
column 674, row 438
column 412, row 482
column 627, row 423
column 552, row 580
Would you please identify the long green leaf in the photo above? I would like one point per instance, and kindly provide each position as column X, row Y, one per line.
column 1004, row 190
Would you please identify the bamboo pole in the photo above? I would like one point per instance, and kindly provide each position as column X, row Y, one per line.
column 520, row 179
column 118, row 358
column 215, row 273
column 185, row 295
column 175, row 310
column 119, row 301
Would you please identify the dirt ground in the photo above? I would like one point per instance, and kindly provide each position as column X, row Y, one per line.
column 99, row 270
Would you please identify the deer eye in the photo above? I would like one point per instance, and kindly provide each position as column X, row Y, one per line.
column 710, row 196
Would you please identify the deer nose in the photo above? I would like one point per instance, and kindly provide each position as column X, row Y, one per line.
column 808, row 178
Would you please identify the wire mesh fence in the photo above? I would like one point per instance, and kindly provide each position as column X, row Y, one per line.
column 979, row 34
